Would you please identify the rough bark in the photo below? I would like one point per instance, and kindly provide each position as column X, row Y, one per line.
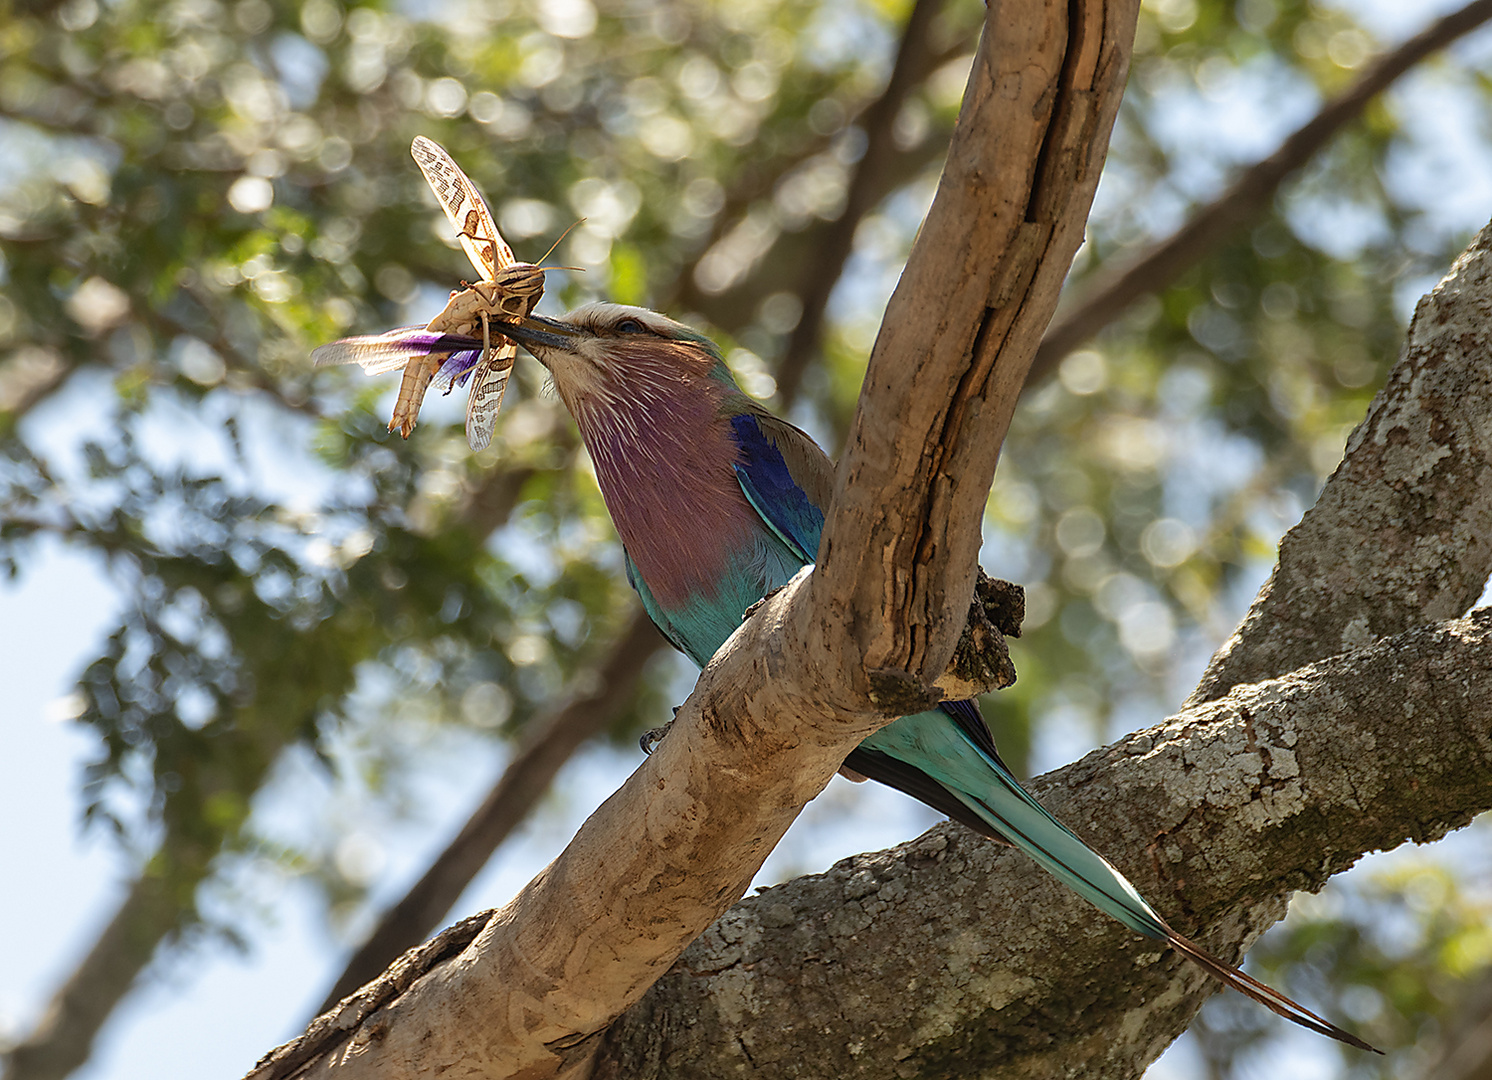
column 936, row 959
column 788, row 695
column 1113, row 288
column 418, row 913
column 1402, row 533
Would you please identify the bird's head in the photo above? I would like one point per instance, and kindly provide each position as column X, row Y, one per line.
column 603, row 354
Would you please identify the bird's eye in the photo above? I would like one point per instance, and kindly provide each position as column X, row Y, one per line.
column 630, row 326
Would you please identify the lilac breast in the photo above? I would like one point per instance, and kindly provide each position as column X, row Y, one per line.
column 664, row 462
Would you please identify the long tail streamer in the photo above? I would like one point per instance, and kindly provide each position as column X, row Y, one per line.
column 962, row 760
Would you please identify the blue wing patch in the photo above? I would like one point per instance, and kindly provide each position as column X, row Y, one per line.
column 773, row 493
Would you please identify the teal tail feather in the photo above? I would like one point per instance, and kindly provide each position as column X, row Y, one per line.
column 952, row 754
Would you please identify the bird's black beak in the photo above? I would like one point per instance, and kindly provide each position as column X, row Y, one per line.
column 536, row 333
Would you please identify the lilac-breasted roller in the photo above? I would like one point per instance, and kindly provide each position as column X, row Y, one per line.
column 718, row 502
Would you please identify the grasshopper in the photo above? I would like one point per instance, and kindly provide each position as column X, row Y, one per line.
column 457, row 344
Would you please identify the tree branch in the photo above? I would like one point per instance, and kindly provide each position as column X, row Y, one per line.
column 940, row 389
column 878, row 122
column 550, row 743
column 936, row 959
column 916, row 59
column 67, row 1039
column 1113, row 289
column 774, row 714
column 1432, row 410
column 561, row 733
column 796, row 258
column 1265, row 757
column 63, row 1038
column 1232, row 820
column 1354, row 570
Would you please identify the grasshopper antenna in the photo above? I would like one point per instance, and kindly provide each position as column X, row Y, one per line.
column 557, row 243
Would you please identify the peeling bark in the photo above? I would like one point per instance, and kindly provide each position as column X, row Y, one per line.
column 898, row 554
column 527, row 991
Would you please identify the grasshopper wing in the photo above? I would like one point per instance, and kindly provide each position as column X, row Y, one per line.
column 487, row 394
column 463, row 204
column 377, row 353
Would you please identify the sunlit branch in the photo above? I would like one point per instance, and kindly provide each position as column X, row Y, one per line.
column 698, row 802
column 555, row 737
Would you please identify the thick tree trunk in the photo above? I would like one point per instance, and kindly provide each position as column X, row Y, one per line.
column 1402, row 533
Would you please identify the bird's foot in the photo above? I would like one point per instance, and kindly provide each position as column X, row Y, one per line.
column 653, row 736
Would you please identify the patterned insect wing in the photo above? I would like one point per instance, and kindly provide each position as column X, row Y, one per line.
column 464, row 207
column 508, row 290
column 487, row 387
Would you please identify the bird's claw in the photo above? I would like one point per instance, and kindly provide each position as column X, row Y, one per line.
column 653, row 736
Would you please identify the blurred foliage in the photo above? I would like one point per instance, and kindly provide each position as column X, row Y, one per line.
column 196, row 193
column 1401, row 951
